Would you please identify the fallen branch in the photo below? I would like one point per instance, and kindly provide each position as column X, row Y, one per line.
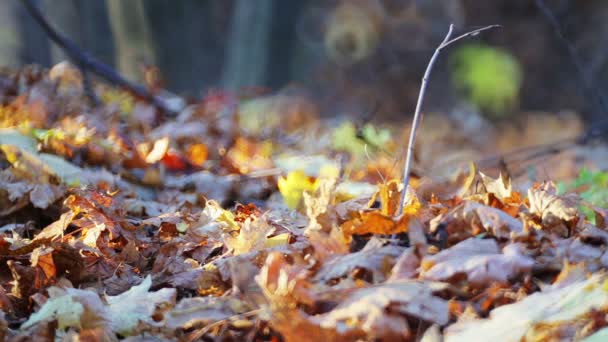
column 417, row 116
column 89, row 63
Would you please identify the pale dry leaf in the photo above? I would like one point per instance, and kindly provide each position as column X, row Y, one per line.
column 500, row 187
column 552, row 209
column 137, row 305
column 197, row 311
column 319, row 203
column 556, row 306
column 480, row 260
column 251, row 237
column 406, row 266
column 71, row 308
column 43, row 195
column 368, row 309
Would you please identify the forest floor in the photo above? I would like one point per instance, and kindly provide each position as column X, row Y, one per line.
column 255, row 219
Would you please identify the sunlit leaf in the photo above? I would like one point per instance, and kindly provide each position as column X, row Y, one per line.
column 292, row 187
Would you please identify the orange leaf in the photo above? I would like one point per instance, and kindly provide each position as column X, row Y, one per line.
column 376, row 223
column 197, row 154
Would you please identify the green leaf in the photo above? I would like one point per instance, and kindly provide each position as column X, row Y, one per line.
column 490, row 76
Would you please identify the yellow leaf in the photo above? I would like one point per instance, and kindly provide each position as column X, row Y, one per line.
column 278, row 240
column 292, row 187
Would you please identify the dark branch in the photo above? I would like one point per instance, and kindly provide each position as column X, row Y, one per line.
column 90, row 63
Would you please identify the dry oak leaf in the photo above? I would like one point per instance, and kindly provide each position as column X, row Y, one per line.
column 553, row 210
column 481, row 261
column 380, row 311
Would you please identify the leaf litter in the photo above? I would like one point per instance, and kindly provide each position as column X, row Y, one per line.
column 252, row 218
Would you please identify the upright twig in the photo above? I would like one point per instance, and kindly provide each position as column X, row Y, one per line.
column 86, row 61
column 417, row 116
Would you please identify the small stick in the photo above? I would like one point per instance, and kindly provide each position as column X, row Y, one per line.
column 417, row 116
column 86, row 61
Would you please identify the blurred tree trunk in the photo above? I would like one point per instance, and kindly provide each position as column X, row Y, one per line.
column 248, row 44
column 85, row 23
column 132, row 37
column 189, row 38
column 35, row 45
column 10, row 35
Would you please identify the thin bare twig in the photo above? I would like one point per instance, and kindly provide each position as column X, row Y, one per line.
column 85, row 61
column 417, row 116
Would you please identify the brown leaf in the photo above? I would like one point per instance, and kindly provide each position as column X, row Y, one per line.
column 43, row 257
column 368, row 309
column 374, row 258
column 199, row 311
column 481, row 261
column 472, row 218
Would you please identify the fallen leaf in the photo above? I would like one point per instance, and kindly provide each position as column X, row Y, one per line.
column 512, row 322
column 481, row 261
column 128, row 309
column 368, row 309
column 374, row 258
column 553, row 210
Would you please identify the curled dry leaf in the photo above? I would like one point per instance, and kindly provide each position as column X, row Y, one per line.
column 481, row 261
column 552, row 209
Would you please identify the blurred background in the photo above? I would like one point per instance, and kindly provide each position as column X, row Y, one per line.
column 349, row 55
